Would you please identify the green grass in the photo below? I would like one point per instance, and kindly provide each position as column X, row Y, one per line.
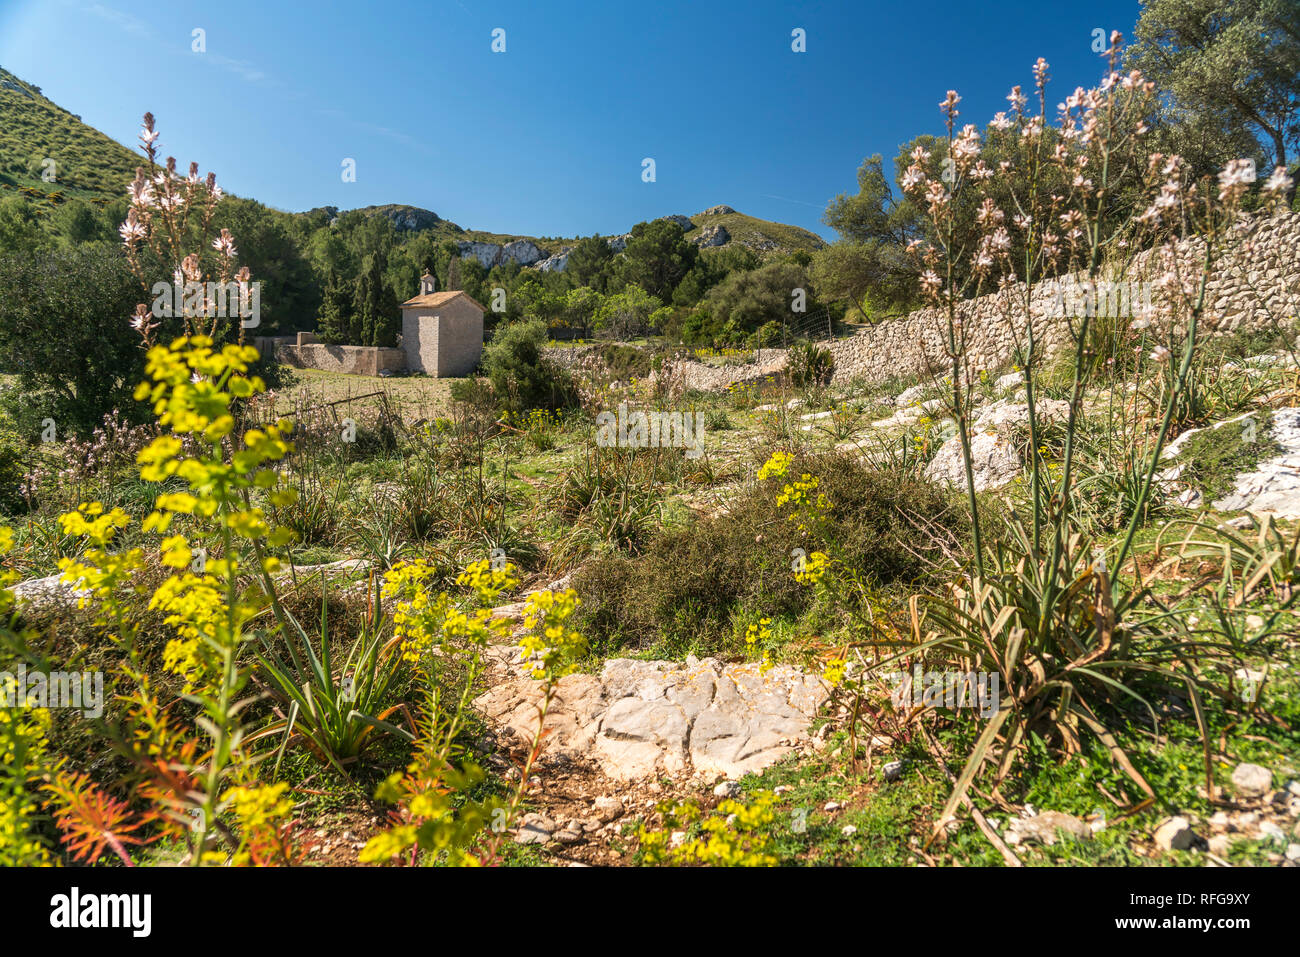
column 88, row 163
column 413, row 397
column 1214, row 457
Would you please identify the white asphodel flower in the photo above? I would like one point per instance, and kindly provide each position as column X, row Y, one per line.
column 225, row 244
column 1235, row 178
column 131, row 231
column 1278, row 183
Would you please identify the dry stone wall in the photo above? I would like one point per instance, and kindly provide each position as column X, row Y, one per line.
column 305, row 351
column 1254, row 283
column 694, row 374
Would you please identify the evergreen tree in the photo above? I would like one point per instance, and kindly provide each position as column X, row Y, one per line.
column 588, row 263
column 335, row 320
column 453, row 274
column 375, row 308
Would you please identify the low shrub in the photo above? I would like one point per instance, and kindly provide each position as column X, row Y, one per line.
column 811, row 365
column 626, row 362
column 13, row 450
column 688, row 583
column 522, row 377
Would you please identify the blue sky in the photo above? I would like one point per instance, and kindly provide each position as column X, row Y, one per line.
column 548, row 137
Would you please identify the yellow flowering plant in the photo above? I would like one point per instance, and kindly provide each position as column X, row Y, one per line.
column 551, row 650
column 735, row 834
column 836, row 584
column 435, row 814
column 211, row 473
column 193, row 390
column 212, row 536
column 757, row 640
column 551, row 647
column 266, row 825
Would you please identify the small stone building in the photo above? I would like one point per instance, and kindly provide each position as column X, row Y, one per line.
column 442, row 332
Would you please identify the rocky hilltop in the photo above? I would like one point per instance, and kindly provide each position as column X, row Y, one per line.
column 715, row 227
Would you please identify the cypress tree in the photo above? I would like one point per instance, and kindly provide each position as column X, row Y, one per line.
column 335, row 312
column 375, row 309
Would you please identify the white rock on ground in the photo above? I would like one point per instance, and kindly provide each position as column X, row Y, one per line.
column 534, row 829
column 904, row 416
column 1046, row 828
column 1273, row 487
column 1175, row 834
column 1005, row 414
column 1008, row 382
column 640, row 719
column 1251, row 780
column 51, row 592
column 332, row 570
column 994, row 460
column 908, row 396
column 1269, row 361
column 349, row 574
column 608, row 807
column 1270, row 830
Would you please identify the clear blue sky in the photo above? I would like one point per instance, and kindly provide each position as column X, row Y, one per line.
column 546, row 138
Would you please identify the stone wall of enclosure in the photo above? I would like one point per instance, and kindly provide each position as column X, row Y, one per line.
column 1254, row 283
column 305, row 351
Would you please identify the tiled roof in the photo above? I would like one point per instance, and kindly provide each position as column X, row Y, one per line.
column 434, row 299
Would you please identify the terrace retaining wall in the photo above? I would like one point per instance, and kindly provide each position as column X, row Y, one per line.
column 1255, row 283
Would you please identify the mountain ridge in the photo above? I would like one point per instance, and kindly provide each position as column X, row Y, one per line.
column 759, row 234
column 94, row 167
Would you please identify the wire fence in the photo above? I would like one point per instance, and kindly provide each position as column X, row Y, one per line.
column 814, row 327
